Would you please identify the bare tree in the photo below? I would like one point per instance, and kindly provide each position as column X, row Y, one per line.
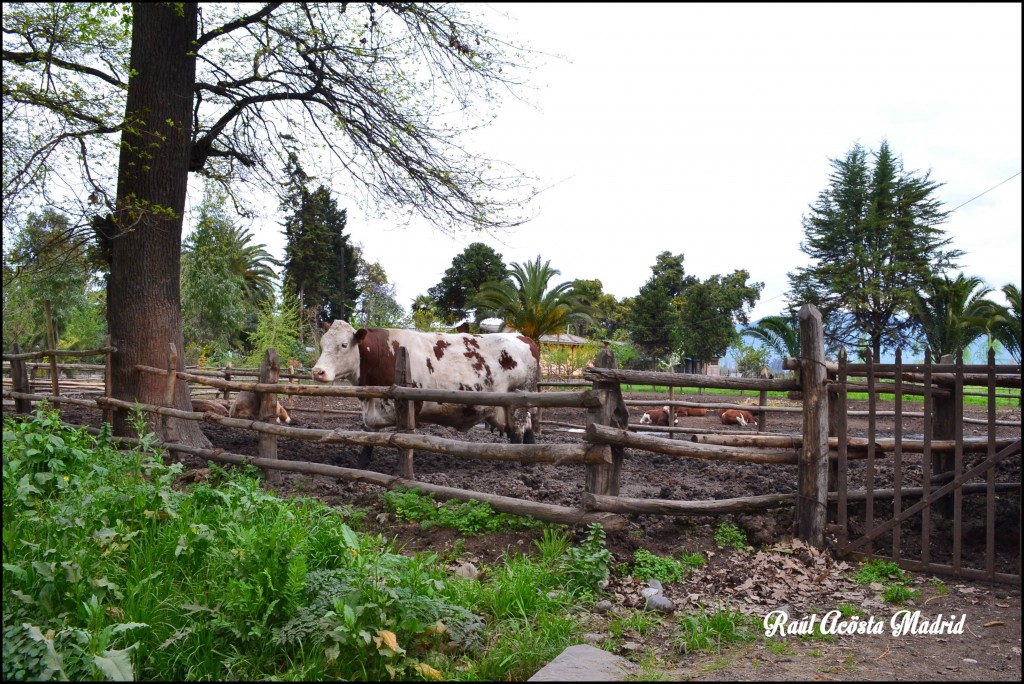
column 380, row 94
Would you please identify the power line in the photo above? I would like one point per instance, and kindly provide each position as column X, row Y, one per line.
column 986, row 192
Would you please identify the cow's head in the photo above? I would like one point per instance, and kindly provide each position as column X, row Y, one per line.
column 339, row 355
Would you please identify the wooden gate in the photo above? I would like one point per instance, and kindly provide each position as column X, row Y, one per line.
column 966, row 518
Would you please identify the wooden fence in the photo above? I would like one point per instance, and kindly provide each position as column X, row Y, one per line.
column 821, row 451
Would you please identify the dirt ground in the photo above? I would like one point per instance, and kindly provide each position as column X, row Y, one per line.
column 776, row 573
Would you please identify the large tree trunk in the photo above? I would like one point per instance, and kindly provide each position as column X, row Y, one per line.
column 144, row 293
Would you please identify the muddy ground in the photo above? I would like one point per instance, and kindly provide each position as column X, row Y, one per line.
column 773, row 574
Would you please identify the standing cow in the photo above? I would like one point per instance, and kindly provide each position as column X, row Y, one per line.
column 498, row 362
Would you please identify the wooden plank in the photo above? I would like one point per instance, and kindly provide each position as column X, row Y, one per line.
column 621, row 504
column 612, row 414
column 51, row 341
column 897, row 457
column 168, row 433
column 108, row 385
column 270, row 369
column 842, row 439
column 812, row 476
column 990, row 475
column 604, row 434
column 20, row 382
column 869, row 472
column 927, row 460
column 711, row 405
column 762, row 415
column 557, row 454
column 937, row 494
column 958, row 461
column 405, row 412
column 585, row 399
column 688, row 380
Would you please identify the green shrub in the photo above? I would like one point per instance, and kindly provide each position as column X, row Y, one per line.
column 468, row 517
column 706, row 631
column 728, row 536
column 666, row 570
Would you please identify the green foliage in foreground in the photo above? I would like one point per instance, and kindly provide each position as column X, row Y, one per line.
column 882, row 572
column 710, row 631
column 728, row 536
column 468, row 517
column 111, row 573
column 666, row 570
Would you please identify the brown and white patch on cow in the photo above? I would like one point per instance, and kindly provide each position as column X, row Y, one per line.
column 506, row 361
column 478, row 362
column 534, row 349
column 377, row 358
column 439, row 350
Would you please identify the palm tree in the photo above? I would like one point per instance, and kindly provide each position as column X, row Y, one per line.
column 781, row 334
column 1005, row 323
column 952, row 313
column 251, row 264
column 523, row 301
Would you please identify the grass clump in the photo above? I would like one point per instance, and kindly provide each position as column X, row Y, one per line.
column 646, row 565
column 468, row 517
column 892, row 576
column 710, row 631
column 882, row 572
column 728, row 536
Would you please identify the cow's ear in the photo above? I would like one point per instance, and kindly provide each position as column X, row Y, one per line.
column 326, row 325
column 360, row 334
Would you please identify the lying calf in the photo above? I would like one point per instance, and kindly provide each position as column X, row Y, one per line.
column 246, row 405
column 690, row 411
column 737, row 417
column 658, row 416
column 209, row 406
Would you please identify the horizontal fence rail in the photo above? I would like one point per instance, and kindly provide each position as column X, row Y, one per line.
column 606, row 433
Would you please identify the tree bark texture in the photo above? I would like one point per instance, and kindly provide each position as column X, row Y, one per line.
column 144, row 290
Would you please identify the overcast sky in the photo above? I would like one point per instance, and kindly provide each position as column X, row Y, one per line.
column 706, row 130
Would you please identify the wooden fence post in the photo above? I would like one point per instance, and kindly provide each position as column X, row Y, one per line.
column 603, row 478
column 812, row 493
column 20, row 381
column 51, row 343
column 836, row 418
column 290, row 401
column 167, row 429
column 762, row 415
column 405, row 411
column 944, row 427
column 108, row 385
column 270, row 371
column 227, row 376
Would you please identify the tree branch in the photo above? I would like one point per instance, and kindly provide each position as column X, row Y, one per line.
column 24, row 58
column 241, row 22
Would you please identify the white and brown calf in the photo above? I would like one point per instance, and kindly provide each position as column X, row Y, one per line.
column 656, row 416
column 737, row 417
column 247, row 405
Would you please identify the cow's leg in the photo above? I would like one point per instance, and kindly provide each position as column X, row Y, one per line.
column 364, row 456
